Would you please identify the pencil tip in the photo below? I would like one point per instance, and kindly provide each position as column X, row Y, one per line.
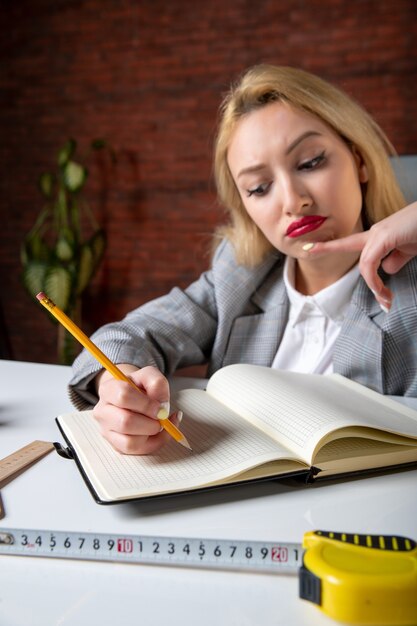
column 185, row 443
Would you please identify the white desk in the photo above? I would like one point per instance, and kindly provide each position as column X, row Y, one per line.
column 52, row 495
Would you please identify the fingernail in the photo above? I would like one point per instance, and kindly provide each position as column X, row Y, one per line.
column 379, row 297
column 180, row 415
column 383, row 307
column 163, row 412
column 308, row 246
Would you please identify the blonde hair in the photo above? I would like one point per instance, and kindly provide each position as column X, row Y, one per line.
column 264, row 84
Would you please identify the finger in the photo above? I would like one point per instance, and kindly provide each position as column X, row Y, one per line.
column 381, row 292
column 155, row 385
column 123, row 421
column 368, row 263
column 368, row 267
column 128, row 444
column 124, row 395
column 352, row 243
column 395, row 261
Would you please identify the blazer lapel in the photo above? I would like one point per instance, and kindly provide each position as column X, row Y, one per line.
column 359, row 347
column 255, row 338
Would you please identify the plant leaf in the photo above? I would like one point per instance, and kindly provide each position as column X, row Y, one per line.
column 75, row 176
column 65, row 246
column 34, row 248
column 98, row 244
column 63, row 249
column 33, row 276
column 98, row 144
column 66, row 152
column 47, row 183
column 85, row 268
column 57, row 285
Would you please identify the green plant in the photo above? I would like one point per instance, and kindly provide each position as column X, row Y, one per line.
column 62, row 251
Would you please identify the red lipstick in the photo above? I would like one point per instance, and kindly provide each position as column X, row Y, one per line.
column 306, row 224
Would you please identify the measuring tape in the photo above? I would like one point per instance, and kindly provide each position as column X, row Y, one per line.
column 191, row 552
column 366, row 579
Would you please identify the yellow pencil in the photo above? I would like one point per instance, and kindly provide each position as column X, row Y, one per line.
column 106, row 363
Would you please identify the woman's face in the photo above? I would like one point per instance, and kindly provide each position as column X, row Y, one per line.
column 297, row 178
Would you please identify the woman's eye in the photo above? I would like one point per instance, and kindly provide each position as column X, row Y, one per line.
column 260, row 190
column 311, row 164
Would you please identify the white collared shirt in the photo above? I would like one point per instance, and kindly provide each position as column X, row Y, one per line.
column 314, row 324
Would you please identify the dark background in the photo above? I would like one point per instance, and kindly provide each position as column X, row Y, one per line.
column 148, row 75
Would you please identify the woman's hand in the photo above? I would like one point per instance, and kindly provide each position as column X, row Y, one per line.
column 390, row 243
column 128, row 419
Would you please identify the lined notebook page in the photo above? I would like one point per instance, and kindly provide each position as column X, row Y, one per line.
column 300, row 409
column 223, row 445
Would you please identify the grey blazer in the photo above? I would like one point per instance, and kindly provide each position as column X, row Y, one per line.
column 233, row 314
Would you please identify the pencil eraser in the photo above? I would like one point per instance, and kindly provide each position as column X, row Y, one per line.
column 41, row 296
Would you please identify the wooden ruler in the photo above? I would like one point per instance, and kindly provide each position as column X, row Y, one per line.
column 17, row 462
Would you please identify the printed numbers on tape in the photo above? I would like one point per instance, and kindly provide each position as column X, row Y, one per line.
column 177, row 551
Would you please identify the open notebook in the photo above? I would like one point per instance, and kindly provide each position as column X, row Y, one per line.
column 253, row 422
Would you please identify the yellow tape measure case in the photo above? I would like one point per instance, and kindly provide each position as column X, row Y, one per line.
column 361, row 579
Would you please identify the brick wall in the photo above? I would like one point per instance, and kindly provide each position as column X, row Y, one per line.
column 148, row 75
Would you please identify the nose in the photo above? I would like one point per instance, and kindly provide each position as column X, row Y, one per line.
column 294, row 195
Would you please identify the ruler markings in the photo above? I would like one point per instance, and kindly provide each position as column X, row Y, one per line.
column 23, row 458
column 157, row 550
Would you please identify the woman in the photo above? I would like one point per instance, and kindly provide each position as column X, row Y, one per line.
column 297, row 164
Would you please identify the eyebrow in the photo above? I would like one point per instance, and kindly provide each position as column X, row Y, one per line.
column 260, row 166
column 296, row 142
